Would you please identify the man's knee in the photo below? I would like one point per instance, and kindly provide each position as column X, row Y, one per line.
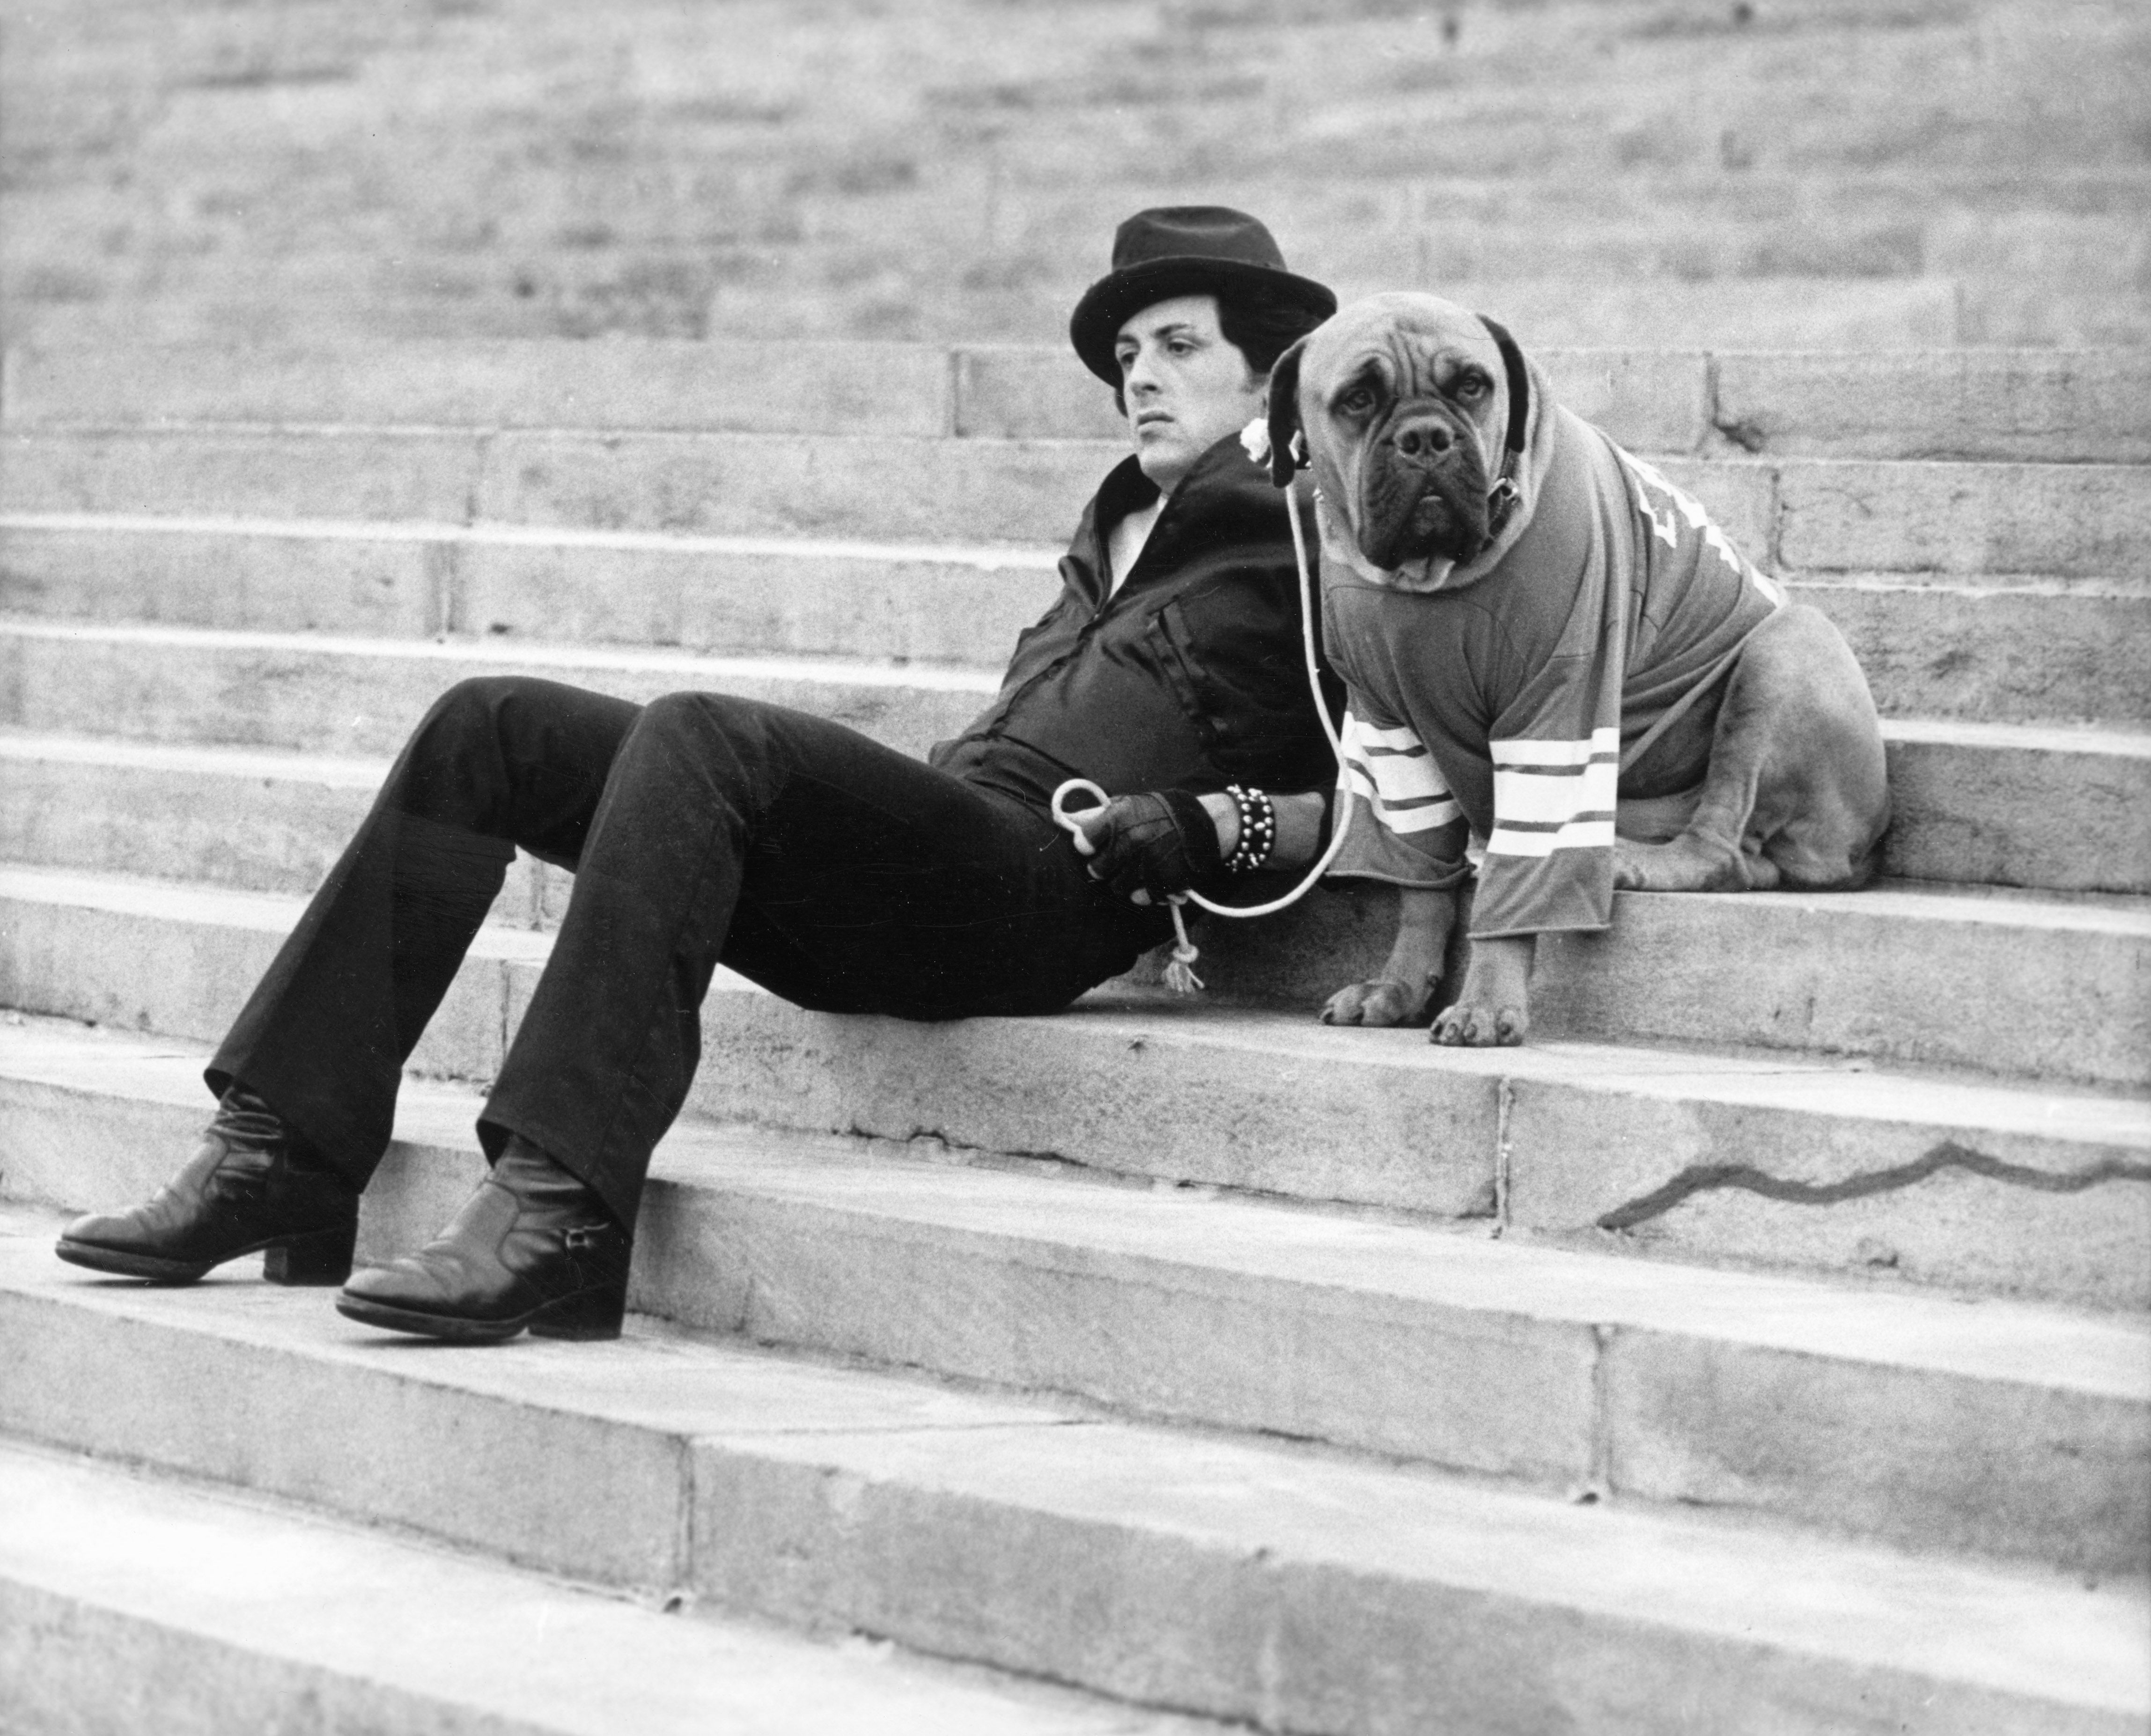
column 744, row 725
column 470, row 710
column 483, row 738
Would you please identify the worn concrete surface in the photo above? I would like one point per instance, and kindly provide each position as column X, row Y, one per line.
column 1818, row 173
column 1270, row 1101
column 350, row 696
column 745, row 387
column 764, row 596
column 1938, row 1180
column 2081, row 520
column 2040, row 405
column 126, row 1602
column 283, row 474
column 2005, row 805
column 1769, row 1160
column 296, row 579
column 1985, row 648
column 2044, row 405
column 1813, row 514
column 2011, row 981
column 2023, row 983
column 1291, row 1597
column 1986, row 652
column 1562, row 1369
column 829, row 1497
column 55, row 925
column 1993, row 804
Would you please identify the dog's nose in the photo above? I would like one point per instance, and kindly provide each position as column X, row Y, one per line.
column 1425, row 439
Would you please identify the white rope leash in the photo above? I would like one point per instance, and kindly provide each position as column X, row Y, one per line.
column 1180, row 974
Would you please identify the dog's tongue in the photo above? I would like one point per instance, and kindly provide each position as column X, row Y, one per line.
column 1428, row 573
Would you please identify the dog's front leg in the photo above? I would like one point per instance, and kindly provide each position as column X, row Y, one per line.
column 1402, row 993
column 1493, row 1005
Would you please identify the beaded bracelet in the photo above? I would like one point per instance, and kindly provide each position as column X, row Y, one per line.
column 1258, row 829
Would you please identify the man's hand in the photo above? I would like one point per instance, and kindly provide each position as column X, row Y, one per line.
column 1152, row 845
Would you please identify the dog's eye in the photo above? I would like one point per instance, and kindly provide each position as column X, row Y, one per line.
column 1357, row 402
column 1471, row 389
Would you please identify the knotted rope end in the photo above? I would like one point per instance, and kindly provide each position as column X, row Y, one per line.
column 1180, row 974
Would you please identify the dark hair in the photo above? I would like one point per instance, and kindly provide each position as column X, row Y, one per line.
column 1261, row 326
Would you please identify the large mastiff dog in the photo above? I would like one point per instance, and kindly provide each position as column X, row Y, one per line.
column 1560, row 668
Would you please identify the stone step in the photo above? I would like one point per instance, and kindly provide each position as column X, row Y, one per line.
column 1984, row 647
column 2018, row 805
column 1215, row 1576
column 121, row 1592
column 345, row 696
column 1793, row 513
column 783, row 595
column 2038, row 405
column 2043, row 985
column 1776, row 1157
column 1566, row 1371
column 1994, row 649
column 2011, row 805
column 1985, row 404
column 2047, row 985
column 1548, row 308
column 1829, row 314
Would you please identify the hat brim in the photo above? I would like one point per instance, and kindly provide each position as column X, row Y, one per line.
column 1112, row 301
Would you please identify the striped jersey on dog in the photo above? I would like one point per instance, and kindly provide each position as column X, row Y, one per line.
column 1495, row 709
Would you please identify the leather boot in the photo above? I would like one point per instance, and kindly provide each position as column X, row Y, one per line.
column 533, row 1247
column 253, row 1186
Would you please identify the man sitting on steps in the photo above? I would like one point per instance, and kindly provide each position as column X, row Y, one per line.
column 704, row 829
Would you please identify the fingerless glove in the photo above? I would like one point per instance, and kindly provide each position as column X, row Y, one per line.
column 1162, row 842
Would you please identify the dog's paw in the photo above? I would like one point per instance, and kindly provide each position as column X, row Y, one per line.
column 1632, row 870
column 1379, row 1002
column 1467, row 1027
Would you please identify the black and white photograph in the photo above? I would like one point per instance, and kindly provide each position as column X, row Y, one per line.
column 1075, row 867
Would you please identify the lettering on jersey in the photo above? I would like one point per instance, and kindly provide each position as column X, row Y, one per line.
column 1680, row 505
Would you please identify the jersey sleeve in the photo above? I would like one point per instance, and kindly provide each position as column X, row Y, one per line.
column 1404, row 825
column 1549, row 860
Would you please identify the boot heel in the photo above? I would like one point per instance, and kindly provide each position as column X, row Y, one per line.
column 590, row 1315
column 323, row 1257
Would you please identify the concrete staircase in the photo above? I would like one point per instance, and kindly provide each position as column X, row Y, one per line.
column 1765, row 1349
column 1726, row 172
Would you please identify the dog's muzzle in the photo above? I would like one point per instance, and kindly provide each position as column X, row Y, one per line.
column 1423, row 492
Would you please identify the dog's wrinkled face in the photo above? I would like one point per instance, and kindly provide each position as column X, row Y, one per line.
column 1402, row 403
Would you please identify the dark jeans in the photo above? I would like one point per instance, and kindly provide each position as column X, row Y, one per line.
column 702, row 829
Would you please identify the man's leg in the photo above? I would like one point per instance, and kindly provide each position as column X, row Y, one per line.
column 837, row 871
column 497, row 762
column 307, row 1076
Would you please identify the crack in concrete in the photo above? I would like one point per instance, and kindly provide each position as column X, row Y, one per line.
column 1706, row 1177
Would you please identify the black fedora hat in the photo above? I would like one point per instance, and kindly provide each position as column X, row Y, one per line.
column 1182, row 250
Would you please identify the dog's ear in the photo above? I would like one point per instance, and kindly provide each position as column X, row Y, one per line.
column 1518, row 382
column 1287, row 449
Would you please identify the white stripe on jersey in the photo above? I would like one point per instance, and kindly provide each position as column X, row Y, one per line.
column 1576, row 835
column 1403, row 777
column 1391, row 771
column 1604, row 744
column 1555, row 797
column 1404, row 741
column 1402, row 819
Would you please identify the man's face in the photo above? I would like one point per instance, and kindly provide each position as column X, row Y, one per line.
column 1184, row 387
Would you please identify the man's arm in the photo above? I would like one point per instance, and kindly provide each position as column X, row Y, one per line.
column 1298, row 827
column 1153, row 843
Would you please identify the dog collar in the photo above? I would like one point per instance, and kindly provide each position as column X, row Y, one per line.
column 1503, row 498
